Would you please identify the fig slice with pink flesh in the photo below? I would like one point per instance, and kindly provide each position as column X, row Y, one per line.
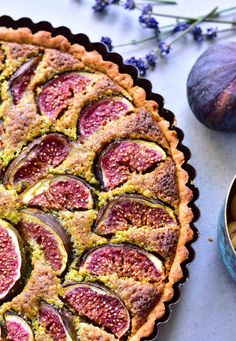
column 56, row 95
column 133, row 210
column 59, row 192
column 12, row 260
column 126, row 261
column 49, row 235
column 123, row 157
column 57, row 325
column 36, row 160
column 99, row 305
column 99, row 113
column 17, row 329
column 21, row 78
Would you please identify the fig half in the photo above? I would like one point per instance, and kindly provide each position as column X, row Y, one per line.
column 21, row 78
column 123, row 157
column 98, row 113
column 35, row 161
column 99, row 305
column 49, row 234
column 12, row 260
column 17, row 328
column 133, row 211
column 56, row 95
column 124, row 260
column 56, row 323
column 59, row 192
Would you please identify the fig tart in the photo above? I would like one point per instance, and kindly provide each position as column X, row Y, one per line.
column 94, row 202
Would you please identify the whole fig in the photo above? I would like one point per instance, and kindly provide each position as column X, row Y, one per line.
column 211, row 87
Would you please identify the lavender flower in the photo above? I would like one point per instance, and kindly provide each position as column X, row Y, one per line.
column 180, row 27
column 147, row 9
column 140, row 64
column 149, row 22
column 100, row 5
column 147, row 19
column 108, row 42
column 129, row 4
column 211, row 33
column 164, row 48
column 197, row 33
column 151, row 59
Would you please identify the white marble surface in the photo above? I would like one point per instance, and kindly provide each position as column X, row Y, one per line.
column 207, row 308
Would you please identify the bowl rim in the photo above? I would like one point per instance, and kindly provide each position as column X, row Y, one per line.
column 231, row 190
column 83, row 39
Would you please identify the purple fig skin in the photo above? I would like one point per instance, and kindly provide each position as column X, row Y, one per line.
column 3, row 332
column 66, row 328
column 54, row 224
column 21, row 78
column 16, row 161
column 18, row 285
column 48, row 220
column 30, row 153
column 211, row 87
column 111, row 303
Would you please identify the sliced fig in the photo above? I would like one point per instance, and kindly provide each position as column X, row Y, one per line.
column 100, row 112
column 59, row 192
column 28, row 172
column 56, row 324
column 36, row 160
column 124, row 260
column 49, row 234
column 99, row 305
column 133, row 211
column 123, row 157
column 55, row 95
column 17, row 328
column 52, row 149
column 11, row 260
column 21, row 78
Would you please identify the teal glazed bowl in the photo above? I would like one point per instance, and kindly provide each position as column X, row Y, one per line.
column 225, row 245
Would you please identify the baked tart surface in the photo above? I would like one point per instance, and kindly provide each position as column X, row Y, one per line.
column 93, row 201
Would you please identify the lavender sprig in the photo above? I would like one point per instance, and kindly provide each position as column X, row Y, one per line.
column 107, row 41
column 101, row 6
column 180, row 28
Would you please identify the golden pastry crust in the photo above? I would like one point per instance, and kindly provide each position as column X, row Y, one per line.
column 168, row 181
column 79, row 225
column 94, row 334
